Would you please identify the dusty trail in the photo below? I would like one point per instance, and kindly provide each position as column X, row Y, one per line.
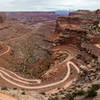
column 20, row 82
column 19, row 77
column 9, row 76
column 43, row 86
column 8, row 49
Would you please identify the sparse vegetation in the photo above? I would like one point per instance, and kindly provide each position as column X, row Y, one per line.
column 69, row 97
column 23, row 93
column 14, row 88
column 97, row 69
column 43, row 93
column 4, row 88
column 55, row 98
column 92, row 92
column 79, row 93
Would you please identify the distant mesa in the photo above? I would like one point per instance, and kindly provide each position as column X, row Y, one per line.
column 97, row 12
column 63, row 12
column 85, row 12
column 3, row 20
column 2, row 17
column 80, row 12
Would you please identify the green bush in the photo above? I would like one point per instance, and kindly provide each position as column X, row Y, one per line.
column 79, row 93
column 97, row 69
column 14, row 88
column 43, row 93
column 23, row 93
column 55, row 98
column 96, row 86
column 91, row 93
column 4, row 88
column 69, row 97
column 61, row 92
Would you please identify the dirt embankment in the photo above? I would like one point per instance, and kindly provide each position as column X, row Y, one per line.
column 4, row 96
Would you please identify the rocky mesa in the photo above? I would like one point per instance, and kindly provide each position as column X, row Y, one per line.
column 81, row 30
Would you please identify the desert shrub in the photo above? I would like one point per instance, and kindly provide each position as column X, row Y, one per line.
column 96, row 86
column 23, row 93
column 14, row 88
column 4, row 88
column 91, row 93
column 55, row 98
column 43, row 93
column 97, row 69
column 69, row 97
column 61, row 92
column 79, row 93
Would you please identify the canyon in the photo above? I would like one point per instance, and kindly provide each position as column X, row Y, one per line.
column 50, row 56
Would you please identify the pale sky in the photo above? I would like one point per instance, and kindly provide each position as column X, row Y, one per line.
column 48, row 5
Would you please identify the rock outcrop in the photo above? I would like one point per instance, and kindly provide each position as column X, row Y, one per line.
column 97, row 12
column 78, row 12
column 76, row 27
column 81, row 30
